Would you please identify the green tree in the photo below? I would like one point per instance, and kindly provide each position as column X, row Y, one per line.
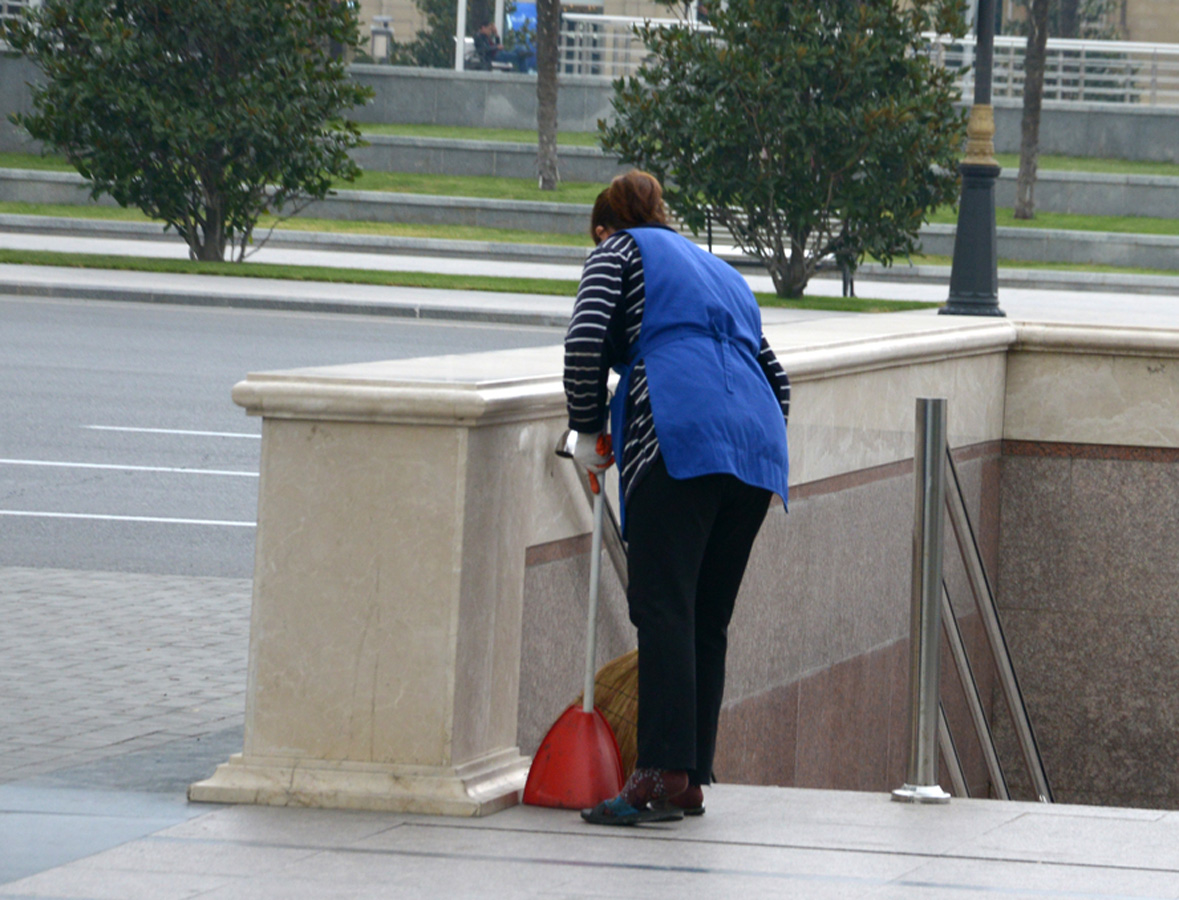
column 203, row 113
column 808, row 130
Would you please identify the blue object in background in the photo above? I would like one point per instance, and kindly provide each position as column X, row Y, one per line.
column 523, row 19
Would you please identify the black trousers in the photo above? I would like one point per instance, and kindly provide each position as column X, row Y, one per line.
column 688, row 545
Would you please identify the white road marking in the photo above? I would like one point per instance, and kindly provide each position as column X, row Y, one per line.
column 166, row 469
column 225, row 434
column 153, row 519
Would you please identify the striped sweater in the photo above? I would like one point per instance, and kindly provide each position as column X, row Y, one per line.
column 607, row 317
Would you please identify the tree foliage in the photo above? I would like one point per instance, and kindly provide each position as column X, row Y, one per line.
column 809, row 130
column 203, row 113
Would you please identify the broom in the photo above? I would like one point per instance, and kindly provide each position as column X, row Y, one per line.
column 616, row 684
column 616, row 694
column 578, row 764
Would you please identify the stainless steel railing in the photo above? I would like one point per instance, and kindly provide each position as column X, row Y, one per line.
column 921, row 782
column 932, row 613
column 984, row 598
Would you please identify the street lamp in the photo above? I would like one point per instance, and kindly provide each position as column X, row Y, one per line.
column 974, row 273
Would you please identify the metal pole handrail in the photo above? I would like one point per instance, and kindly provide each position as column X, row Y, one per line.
column 978, row 715
column 945, row 741
column 984, row 598
column 925, row 650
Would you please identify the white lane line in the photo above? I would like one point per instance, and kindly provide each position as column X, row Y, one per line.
column 153, row 519
column 225, row 434
column 76, row 465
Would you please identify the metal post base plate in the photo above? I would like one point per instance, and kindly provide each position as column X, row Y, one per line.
column 926, row 793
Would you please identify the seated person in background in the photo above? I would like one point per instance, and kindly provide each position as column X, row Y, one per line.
column 488, row 49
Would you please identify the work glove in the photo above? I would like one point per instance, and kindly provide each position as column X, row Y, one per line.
column 593, row 452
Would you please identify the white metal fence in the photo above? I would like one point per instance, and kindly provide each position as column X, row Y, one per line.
column 605, row 45
column 1089, row 71
column 10, row 9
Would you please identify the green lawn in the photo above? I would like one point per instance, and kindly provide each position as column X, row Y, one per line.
column 508, row 135
column 482, row 186
column 524, row 189
column 931, row 260
column 1005, row 217
column 1008, row 161
column 486, row 187
column 291, row 273
column 34, row 161
column 334, row 226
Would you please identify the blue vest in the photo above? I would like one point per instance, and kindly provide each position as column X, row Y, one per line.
column 713, row 407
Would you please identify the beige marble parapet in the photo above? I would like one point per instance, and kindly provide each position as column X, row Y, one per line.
column 855, row 382
column 396, row 504
column 398, row 501
column 1092, row 385
column 480, row 788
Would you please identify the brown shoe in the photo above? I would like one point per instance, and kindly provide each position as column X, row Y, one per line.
column 689, row 802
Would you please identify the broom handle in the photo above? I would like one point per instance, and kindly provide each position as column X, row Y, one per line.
column 591, row 641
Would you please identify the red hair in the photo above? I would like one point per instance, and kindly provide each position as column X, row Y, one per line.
column 635, row 198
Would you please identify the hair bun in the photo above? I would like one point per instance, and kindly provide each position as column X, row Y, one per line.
column 636, row 198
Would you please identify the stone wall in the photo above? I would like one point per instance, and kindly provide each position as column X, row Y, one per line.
column 498, row 100
column 1089, row 594
column 15, row 74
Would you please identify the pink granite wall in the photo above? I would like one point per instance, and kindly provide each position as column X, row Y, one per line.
column 1089, row 589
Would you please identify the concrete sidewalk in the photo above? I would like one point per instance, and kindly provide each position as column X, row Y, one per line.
column 752, row 843
column 106, row 722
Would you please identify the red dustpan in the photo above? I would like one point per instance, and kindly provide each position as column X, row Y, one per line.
column 578, row 764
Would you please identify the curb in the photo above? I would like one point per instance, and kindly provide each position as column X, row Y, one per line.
column 1032, row 279
column 274, row 302
column 303, row 240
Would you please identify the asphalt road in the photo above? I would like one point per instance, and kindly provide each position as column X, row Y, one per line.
column 120, row 448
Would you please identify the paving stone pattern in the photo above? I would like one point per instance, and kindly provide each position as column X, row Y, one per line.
column 98, row 664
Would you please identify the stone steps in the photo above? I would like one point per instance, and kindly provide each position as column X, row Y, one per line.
column 1084, row 193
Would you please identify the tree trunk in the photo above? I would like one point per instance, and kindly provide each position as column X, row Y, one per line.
column 789, row 275
column 548, row 25
column 1033, row 97
column 1070, row 18
column 210, row 241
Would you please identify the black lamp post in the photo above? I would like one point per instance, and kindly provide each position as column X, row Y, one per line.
column 974, row 273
